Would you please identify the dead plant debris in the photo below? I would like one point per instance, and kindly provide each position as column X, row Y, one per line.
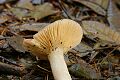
column 96, row 57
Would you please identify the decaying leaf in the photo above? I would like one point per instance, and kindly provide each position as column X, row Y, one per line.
column 82, row 49
column 85, row 70
column 19, row 12
column 30, row 27
column 25, row 4
column 96, row 8
column 17, row 43
column 102, row 3
column 39, row 11
column 101, row 31
column 113, row 16
column 42, row 11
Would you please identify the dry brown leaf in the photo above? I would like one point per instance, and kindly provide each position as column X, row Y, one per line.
column 113, row 14
column 42, row 11
column 102, row 3
column 85, row 70
column 29, row 27
column 19, row 12
column 25, row 4
column 82, row 49
column 17, row 43
column 101, row 31
column 96, row 8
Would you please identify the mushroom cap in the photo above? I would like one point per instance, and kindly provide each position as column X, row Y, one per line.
column 64, row 34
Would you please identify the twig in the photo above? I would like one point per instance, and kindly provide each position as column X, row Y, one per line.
column 43, row 68
column 7, row 60
column 64, row 9
column 97, row 49
column 110, row 53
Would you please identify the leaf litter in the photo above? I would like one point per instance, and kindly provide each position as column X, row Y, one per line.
column 96, row 57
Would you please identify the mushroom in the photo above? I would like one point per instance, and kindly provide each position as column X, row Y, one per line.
column 53, row 42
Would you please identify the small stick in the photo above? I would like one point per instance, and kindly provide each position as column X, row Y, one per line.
column 7, row 60
column 43, row 68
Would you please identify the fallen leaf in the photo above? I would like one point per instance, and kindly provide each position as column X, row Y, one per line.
column 85, row 70
column 25, row 4
column 42, row 11
column 82, row 49
column 96, row 8
column 30, row 27
column 101, row 31
column 17, row 43
column 102, row 3
column 113, row 14
column 19, row 12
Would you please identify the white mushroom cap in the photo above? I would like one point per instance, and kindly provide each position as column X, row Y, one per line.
column 64, row 34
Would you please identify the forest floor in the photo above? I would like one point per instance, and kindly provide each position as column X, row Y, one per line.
column 96, row 57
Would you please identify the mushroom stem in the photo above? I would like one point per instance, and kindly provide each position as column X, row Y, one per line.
column 58, row 65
